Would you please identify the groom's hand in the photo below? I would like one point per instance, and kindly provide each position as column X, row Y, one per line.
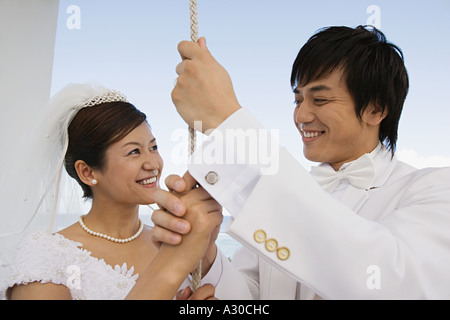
column 203, row 91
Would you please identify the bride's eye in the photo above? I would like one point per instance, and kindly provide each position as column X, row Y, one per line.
column 135, row 151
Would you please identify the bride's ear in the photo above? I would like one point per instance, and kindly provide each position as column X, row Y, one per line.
column 85, row 173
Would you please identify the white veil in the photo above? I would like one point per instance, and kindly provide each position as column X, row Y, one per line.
column 38, row 188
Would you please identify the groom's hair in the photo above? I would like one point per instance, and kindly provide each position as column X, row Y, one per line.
column 373, row 68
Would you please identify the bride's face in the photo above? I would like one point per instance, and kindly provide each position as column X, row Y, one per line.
column 133, row 168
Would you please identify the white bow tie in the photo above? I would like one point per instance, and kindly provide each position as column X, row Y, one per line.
column 360, row 173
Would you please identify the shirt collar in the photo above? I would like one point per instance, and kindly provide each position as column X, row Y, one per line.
column 383, row 161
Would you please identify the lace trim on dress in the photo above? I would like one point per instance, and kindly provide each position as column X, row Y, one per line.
column 45, row 257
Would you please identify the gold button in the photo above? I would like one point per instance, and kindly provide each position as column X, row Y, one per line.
column 259, row 236
column 271, row 245
column 283, row 253
column 212, row 177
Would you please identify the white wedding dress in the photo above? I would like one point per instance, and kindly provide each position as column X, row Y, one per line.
column 45, row 257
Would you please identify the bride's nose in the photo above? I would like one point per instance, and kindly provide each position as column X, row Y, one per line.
column 151, row 163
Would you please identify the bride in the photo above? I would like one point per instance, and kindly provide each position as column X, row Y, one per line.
column 108, row 147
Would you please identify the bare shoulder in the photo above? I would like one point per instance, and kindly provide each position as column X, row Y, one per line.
column 73, row 232
column 40, row 291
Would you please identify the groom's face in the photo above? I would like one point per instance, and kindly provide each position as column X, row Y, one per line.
column 326, row 119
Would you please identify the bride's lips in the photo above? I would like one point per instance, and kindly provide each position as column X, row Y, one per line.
column 148, row 182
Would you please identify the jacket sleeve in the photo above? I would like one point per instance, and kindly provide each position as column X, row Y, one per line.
column 238, row 282
column 287, row 219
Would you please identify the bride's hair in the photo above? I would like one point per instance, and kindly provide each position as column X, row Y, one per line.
column 93, row 130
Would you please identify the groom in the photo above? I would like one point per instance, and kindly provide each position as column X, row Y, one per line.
column 361, row 225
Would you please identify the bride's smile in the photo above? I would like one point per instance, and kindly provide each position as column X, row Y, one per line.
column 132, row 169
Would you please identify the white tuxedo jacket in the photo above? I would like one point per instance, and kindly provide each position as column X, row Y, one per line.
column 389, row 242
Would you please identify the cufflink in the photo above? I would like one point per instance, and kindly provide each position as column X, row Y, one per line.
column 283, row 253
column 259, row 236
column 271, row 245
column 212, row 177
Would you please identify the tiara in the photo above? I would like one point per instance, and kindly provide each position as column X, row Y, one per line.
column 108, row 96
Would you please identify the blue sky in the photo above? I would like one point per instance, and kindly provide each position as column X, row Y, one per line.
column 131, row 46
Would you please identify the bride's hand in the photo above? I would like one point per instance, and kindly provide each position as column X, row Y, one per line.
column 204, row 217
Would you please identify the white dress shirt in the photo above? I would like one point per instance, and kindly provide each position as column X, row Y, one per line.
column 389, row 241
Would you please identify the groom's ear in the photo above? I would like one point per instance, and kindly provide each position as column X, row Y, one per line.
column 373, row 115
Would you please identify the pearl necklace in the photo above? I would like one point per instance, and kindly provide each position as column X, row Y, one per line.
column 104, row 236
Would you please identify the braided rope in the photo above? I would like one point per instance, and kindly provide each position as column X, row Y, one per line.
column 194, row 20
column 194, row 38
column 197, row 273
